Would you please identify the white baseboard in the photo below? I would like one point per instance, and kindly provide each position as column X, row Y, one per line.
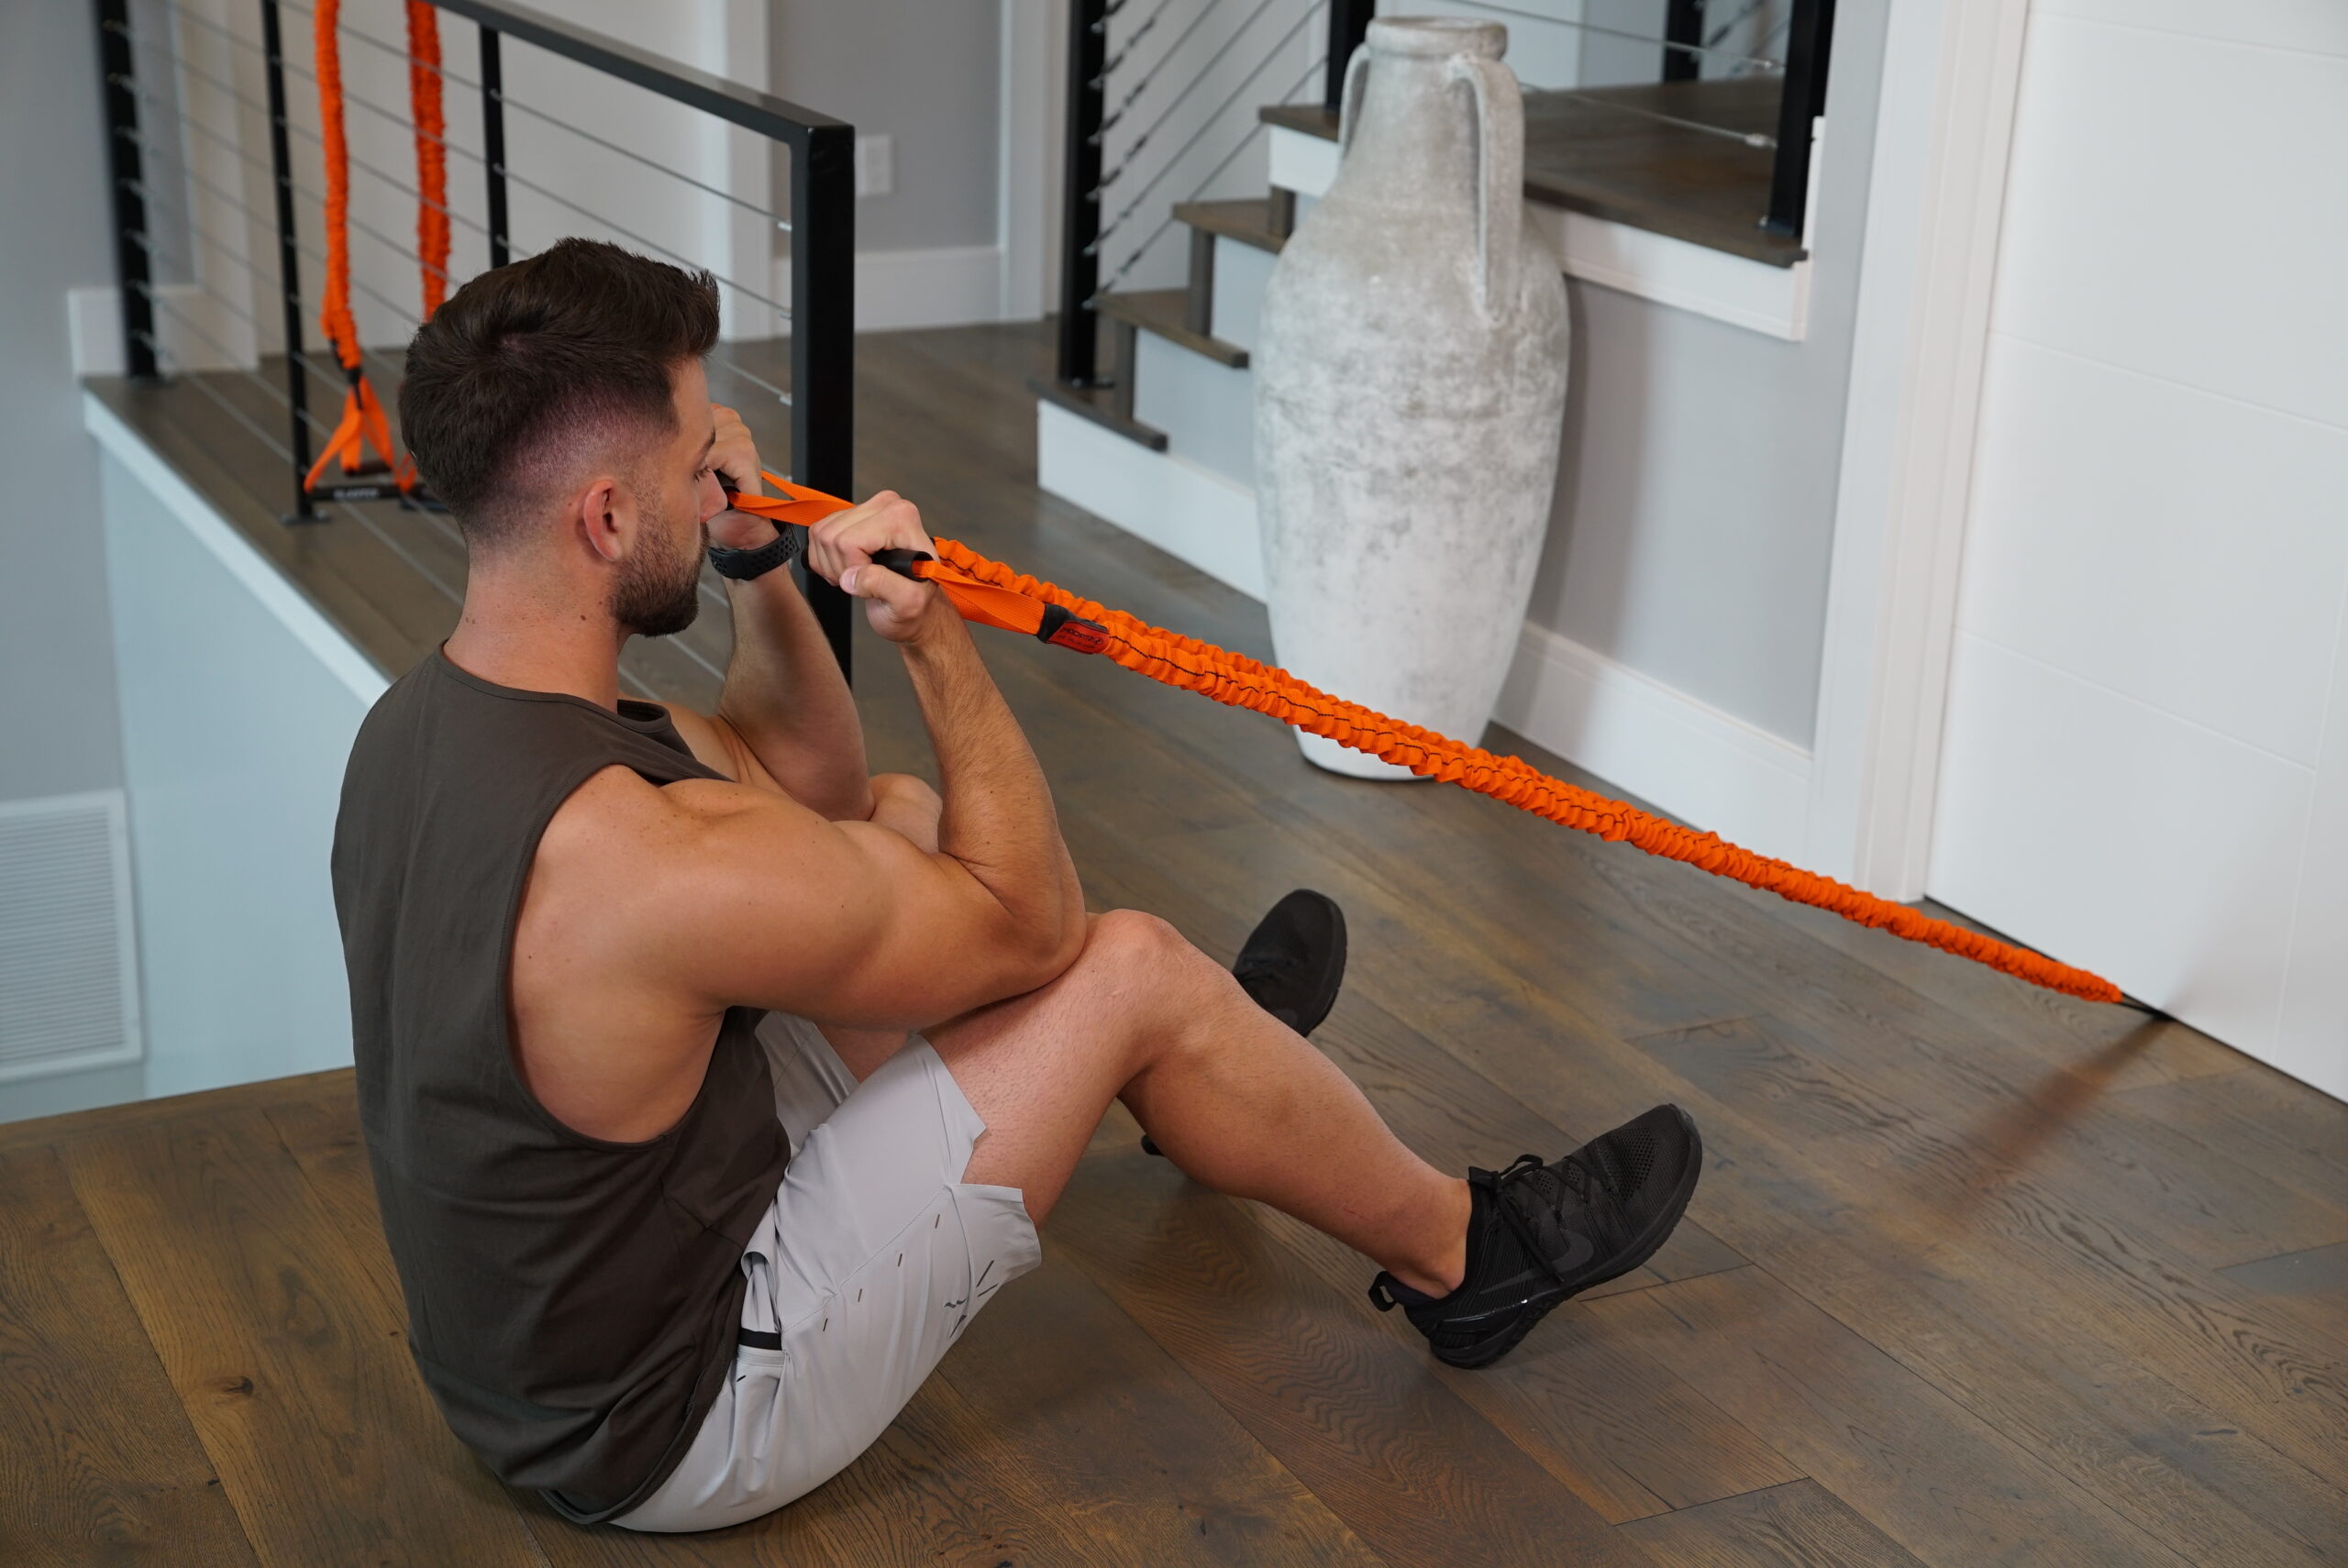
column 1189, row 512
column 1675, row 751
column 1773, row 300
column 1672, row 750
column 950, row 286
column 192, row 325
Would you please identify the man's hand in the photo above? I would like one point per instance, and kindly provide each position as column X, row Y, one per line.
column 841, row 549
column 734, row 457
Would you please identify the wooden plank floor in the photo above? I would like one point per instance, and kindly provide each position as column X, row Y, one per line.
column 1977, row 1275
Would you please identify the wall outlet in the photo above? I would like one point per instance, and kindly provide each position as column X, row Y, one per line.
column 876, row 165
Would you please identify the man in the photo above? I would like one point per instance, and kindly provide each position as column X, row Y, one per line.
column 609, row 960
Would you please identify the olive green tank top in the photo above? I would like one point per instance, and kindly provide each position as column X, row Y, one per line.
column 573, row 1303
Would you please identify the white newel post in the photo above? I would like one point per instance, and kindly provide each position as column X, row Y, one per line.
column 1409, row 393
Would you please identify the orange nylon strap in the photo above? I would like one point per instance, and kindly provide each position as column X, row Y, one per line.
column 362, row 424
column 972, row 599
column 1242, row 682
column 431, row 150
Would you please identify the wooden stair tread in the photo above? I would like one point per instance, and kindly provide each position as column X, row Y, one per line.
column 1248, row 221
column 1097, row 404
column 1161, row 311
column 1596, row 150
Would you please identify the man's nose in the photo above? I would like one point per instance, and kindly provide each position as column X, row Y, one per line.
column 712, row 496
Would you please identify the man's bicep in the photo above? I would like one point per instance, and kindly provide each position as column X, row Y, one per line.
column 717, row 746
column 849, row 923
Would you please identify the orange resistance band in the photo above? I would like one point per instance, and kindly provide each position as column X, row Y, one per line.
column 431, row 150
column 362, row 424
column 993, row 594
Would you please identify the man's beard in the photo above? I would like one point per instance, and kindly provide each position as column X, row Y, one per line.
column 658, row 592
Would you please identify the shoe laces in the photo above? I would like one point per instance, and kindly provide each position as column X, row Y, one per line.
column 1531, row 1197
column 1255, row 969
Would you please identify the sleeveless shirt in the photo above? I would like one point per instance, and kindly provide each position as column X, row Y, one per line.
column 572, row 1302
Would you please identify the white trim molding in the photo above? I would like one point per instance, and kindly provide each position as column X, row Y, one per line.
column 1654, row 741
column 1189, row 511
column 1027, row 154
column 1935, row 198
column 1773, row 301
column 258, row 576
column 952, row 285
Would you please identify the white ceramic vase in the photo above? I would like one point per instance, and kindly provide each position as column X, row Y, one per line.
column 1409, row 393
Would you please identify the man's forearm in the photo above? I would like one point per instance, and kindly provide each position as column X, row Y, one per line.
column 785, row 696
column 997, row 819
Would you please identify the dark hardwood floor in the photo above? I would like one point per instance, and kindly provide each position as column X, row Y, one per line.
column 1977, row 1274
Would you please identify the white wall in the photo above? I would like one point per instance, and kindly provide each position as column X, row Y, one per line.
column 930, row 78
column 240, row 703
column 56, row 660
column 2146, row 769
column 57, row 699
column 1696, row 502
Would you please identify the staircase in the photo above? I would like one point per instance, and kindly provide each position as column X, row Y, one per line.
column 1691, row 191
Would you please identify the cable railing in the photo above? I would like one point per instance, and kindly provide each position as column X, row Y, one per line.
column 215, row 148
column 1125, row 102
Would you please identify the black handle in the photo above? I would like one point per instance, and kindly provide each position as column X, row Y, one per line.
column 901, row 562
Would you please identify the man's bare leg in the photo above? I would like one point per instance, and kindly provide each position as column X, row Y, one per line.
column 1235, row 1098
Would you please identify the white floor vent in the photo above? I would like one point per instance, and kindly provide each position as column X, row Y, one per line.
column 68, row 990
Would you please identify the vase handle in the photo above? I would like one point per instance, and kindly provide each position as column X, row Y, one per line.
column 1499, row 174
column 1349, row 101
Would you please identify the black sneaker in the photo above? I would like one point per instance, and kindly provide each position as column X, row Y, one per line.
column 1292, row 964
column 1294, row 961
column 1538, row 1234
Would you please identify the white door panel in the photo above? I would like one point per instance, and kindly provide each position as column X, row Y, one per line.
column 2117, row 836
column 2180, row 546
column 2144, row 765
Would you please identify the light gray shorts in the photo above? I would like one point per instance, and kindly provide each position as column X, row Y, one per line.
column 871, row 1259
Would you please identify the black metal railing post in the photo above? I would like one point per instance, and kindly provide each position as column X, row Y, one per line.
column 118, row 67
column 492, row 144
column 1683, row 23
column 1348, row 25
column 289, row 260
column 1087, row 59
column 1803, row 99
column 823, row 341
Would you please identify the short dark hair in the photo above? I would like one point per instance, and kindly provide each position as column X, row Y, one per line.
column 583, row 337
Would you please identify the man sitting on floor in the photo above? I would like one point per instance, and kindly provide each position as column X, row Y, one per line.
column 610, row 959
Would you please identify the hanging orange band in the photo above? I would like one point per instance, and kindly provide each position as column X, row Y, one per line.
column 363, row 425
column 985, row 591
column 431, row 150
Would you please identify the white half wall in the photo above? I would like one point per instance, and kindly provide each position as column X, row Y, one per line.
column 239, row 703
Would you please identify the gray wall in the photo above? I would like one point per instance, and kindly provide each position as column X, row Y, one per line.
column 57, row 705
column 923, row 73
column 1695, row 512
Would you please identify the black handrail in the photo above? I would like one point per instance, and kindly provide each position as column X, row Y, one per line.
column 1349, row 26
column 1801, row 100
column 823, row 240
column 115, row 70
column 1087, row 81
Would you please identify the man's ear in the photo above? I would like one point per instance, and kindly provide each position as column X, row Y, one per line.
column 606, row 517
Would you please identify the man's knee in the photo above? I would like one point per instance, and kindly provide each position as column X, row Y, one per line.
column 1128, row 949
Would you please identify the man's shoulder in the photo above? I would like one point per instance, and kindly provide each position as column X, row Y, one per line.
column 626, row 824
